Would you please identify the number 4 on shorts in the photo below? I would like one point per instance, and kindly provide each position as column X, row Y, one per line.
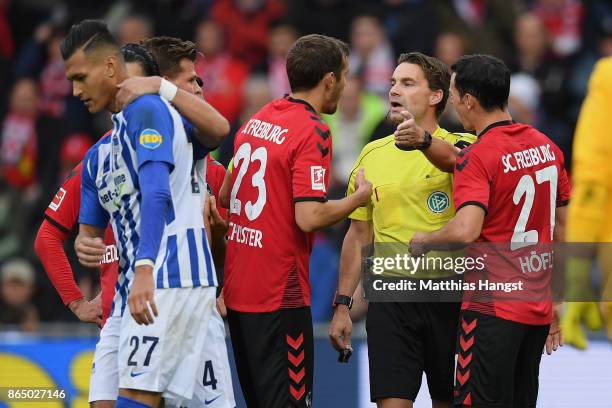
column 209, row 375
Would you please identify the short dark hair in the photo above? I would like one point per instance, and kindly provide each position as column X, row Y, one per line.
column 88, row 35
column 311, row 57
column 484, row 77
column 436, row 72
column 169, row 51
column 133, row 52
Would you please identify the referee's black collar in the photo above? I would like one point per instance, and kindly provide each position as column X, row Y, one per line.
column 303, row 102
column 495, row 124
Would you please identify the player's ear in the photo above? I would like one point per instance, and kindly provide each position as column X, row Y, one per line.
column 110, row 66
column 329, row 80
column 435, row 97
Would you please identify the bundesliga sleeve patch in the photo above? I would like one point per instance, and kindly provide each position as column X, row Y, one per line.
column 317, row 176
column 57, row 200
column 150, row 139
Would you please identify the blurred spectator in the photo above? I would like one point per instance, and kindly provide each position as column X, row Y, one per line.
column 282, row 37
column 410, row 25
column 535, row 58
column 358, row 114
column 563, row 22
column 134, row 28
column 13, row 225
column 29, row 150
column 17, row 287
column 487, row 25
column 371, row 55
column 257, row 93
column 449, row 47
column 223, row 75
column 246, row 25
column 19, row 153
column 54, row 87
column 72, row 152
column 524, row 98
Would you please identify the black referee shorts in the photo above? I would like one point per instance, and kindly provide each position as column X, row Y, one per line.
column 498, row 362
column 274, row 355
column 407, row 339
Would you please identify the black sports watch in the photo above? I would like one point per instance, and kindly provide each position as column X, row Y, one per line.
column 343, row 300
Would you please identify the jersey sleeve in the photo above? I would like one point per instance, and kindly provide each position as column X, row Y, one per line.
column 472, row 181
column 199, row 150
column 311, row 160
column 150, row 126
column 63, row 211
column 91, row 211
column 361, row 213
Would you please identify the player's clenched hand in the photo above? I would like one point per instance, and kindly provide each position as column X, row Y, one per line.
column 555, row 337
column 89, row 312
column 363, row 188
column 142, row 296
column 417, row 244
column 341, row 328
column 221, row 306
column 134, row 87
column 409, row 135
column 218, row 224
column 89, row 250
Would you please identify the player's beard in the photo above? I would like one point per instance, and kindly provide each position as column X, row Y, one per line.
column 396, row 119
column 332, row 103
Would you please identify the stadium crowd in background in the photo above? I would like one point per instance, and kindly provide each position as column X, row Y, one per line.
column 550, row 45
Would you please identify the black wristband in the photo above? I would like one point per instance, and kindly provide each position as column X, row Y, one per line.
column 343, row 300
column 427, row 139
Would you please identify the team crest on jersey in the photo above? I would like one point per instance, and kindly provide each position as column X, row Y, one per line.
column 317, row 176
column 150, row 139
column 438, row 201
column 57, row 200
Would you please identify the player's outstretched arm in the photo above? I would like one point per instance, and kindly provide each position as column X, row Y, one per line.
column 314, row 215
column 358, row 235
column 211, row 125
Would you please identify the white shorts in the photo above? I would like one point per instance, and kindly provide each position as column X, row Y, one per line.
column 104, row 381
column 165, row 356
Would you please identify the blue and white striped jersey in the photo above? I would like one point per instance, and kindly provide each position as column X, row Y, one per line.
column 149, row 129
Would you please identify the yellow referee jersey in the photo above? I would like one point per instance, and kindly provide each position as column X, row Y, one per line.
column 409, row 193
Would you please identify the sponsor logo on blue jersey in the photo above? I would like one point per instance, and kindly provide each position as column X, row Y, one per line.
column 150, row 138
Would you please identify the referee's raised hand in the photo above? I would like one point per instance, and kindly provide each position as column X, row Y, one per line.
column 409, row 135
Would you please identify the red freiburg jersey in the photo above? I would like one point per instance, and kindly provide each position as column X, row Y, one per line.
column 517, row 175
column 282, row 155
column 63, row 212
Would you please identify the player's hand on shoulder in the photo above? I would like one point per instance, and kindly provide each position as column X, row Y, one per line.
column 142, row 296
column 134, row 87
column 340, row 329
column 408, row 135
column 86, row 311
column 363, row 188
column 89, row 250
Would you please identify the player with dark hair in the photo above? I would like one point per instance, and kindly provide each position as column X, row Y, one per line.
column 405, row 339
column 510, row 187
column 133, row 178
column 278, row 198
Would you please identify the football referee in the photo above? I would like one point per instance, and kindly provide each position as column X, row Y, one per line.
column 409, row 194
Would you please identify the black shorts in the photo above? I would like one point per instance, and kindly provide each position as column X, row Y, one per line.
column 498, row 362
column 274, row 355
column 407, row 339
